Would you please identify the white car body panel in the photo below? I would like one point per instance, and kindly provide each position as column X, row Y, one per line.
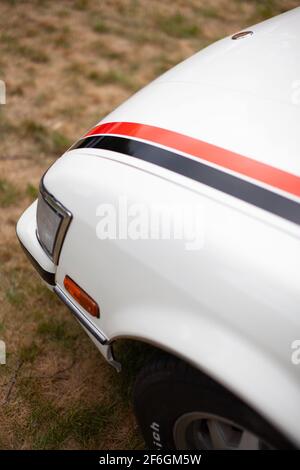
column 241, row 95
column 232, row 309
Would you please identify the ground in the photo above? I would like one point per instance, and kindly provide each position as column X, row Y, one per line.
column 66, row 64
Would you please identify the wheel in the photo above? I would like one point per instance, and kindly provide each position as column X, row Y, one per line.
column 177, row 407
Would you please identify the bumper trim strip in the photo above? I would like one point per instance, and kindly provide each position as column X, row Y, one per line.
column 45, row 275
column 81, row 317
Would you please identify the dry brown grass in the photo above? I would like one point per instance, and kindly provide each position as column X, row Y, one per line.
column 66, row 64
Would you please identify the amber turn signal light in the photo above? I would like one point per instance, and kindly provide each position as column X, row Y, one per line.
column 81, row 297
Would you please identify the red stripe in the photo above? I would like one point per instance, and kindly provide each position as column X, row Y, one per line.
column 232, row 161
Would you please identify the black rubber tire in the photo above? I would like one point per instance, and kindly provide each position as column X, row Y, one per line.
column 168, row 388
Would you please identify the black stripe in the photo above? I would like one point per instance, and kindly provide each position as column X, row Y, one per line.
column 198, row 171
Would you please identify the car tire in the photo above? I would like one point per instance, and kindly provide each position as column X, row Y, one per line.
column 178, row 407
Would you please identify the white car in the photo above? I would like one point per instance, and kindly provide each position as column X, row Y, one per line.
column 215, row 141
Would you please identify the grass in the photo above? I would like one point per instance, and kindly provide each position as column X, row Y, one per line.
column 103, row 50
column 178, row 26
column 59, row 143
column 85, row 425
column 209, row 12
column 13, row 45
column 48, row 141
column 52, row 425
column 99, row 26
column 37, row 56
column 32, row 191
column 28, row 353
column 14, row 296
column 66, row 64
column 8, row 193
column 57, row 331
column 267, row 9
column 6, row 126
column 163, row 63
column 111, row 77
column 17, row 91
column 82, row 5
